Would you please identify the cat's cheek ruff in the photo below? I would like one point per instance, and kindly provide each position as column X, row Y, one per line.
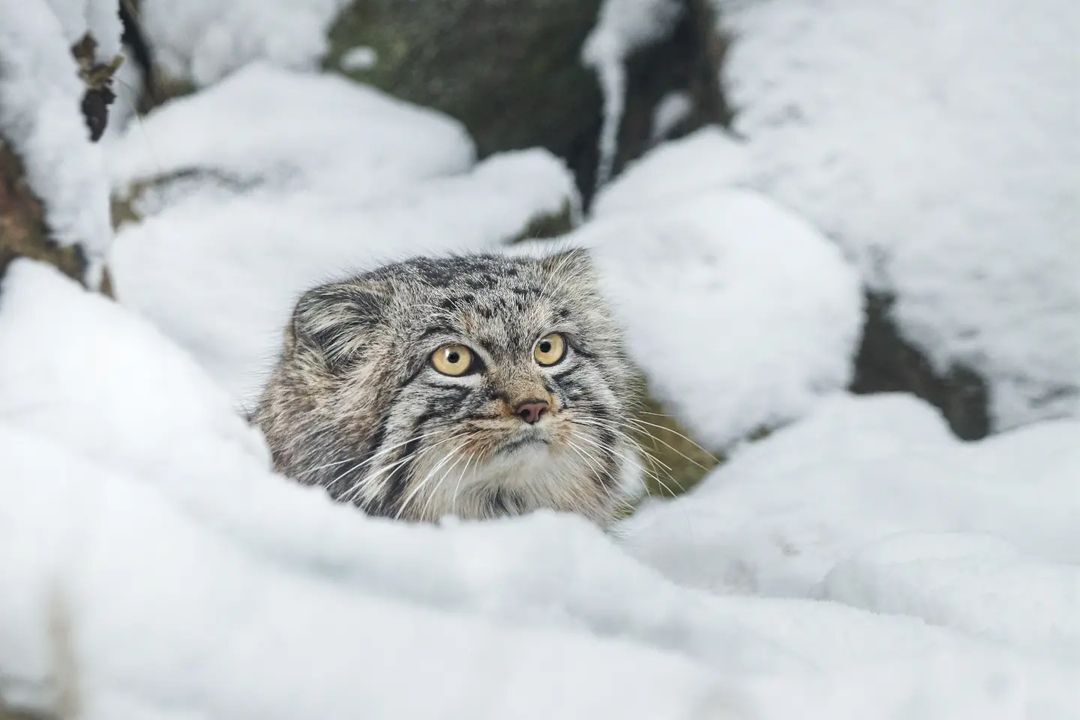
column 380, row 408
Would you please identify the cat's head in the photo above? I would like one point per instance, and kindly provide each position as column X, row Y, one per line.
column 476, row 386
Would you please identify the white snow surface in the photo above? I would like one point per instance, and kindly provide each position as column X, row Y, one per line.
column 40, row 92
column 99, row 18
column 785, row 511
column 205, row 40
column 979, row 584
column 706, row 160
column 164, row 579
column 296, row 132
column 741, row 315
column 938, row 143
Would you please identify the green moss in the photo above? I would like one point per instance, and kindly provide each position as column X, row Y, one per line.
column 674, row 460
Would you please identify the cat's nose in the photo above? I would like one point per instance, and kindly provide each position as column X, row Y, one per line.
column 531, row 411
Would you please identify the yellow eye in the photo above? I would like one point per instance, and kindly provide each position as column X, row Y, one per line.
column 453, row 360
column 550, row 349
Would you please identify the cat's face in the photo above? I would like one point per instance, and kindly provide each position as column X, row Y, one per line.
column 475, row 386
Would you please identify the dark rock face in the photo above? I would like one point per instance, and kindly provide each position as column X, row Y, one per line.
column 510, row 70
column 687, row 61
column 888, row 363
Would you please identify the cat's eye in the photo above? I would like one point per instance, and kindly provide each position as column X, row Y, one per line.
column 550, row 349
column 452, row 360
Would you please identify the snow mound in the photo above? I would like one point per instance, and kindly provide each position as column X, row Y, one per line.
column 937, row 142
column 293, row 130
column 281, row 604
column 708, row 159
column 40, row 92
column 981, row 585
column 204, row 40
column 779, row 516
column 739, row 313
column 239, row 220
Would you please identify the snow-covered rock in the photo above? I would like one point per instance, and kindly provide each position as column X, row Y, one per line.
column 294, row 131
column 240, row 219
column 204, row 40
column 739, row 312
column 40, row 92
column 778, row 517
column 937, row 142
column 709, row 159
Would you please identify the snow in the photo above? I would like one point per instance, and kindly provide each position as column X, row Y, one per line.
column 99, row 18
column 362, row 57
column 785, row 511
column 856, row 562
column 341, row 177
column 280, row 604
column 205, row 40
column 673, row 108
column 696, row 268
column 622, row 27
column 708, row 159
column 293, row 131
column 937, row 142
column 40, row 92
column 981, row 585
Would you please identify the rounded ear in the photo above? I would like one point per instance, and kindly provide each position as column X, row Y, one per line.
column 570, row 263
column 333, row 319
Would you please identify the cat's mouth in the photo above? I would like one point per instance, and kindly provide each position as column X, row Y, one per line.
column 527, row 441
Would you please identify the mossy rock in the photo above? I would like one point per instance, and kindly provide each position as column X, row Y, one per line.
column 674, row 461
column 509, row 70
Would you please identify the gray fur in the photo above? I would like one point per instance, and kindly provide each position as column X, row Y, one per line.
column 355, row 406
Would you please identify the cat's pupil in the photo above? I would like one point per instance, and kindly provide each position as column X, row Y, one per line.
column 545, row 346
column 453, row 357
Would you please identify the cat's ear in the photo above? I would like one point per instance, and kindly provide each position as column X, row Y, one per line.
column 575, row 263
column 333, row 319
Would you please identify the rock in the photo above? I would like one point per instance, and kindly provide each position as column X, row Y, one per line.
column 23, row 232
column 684, row 65
column 510, row 70
column 886, row 362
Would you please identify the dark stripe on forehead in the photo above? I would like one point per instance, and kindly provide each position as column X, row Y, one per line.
column 434, row 330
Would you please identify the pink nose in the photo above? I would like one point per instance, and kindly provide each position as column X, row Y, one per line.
column 531, row 411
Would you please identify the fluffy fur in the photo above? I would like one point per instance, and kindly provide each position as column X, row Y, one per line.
column 354, row 404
